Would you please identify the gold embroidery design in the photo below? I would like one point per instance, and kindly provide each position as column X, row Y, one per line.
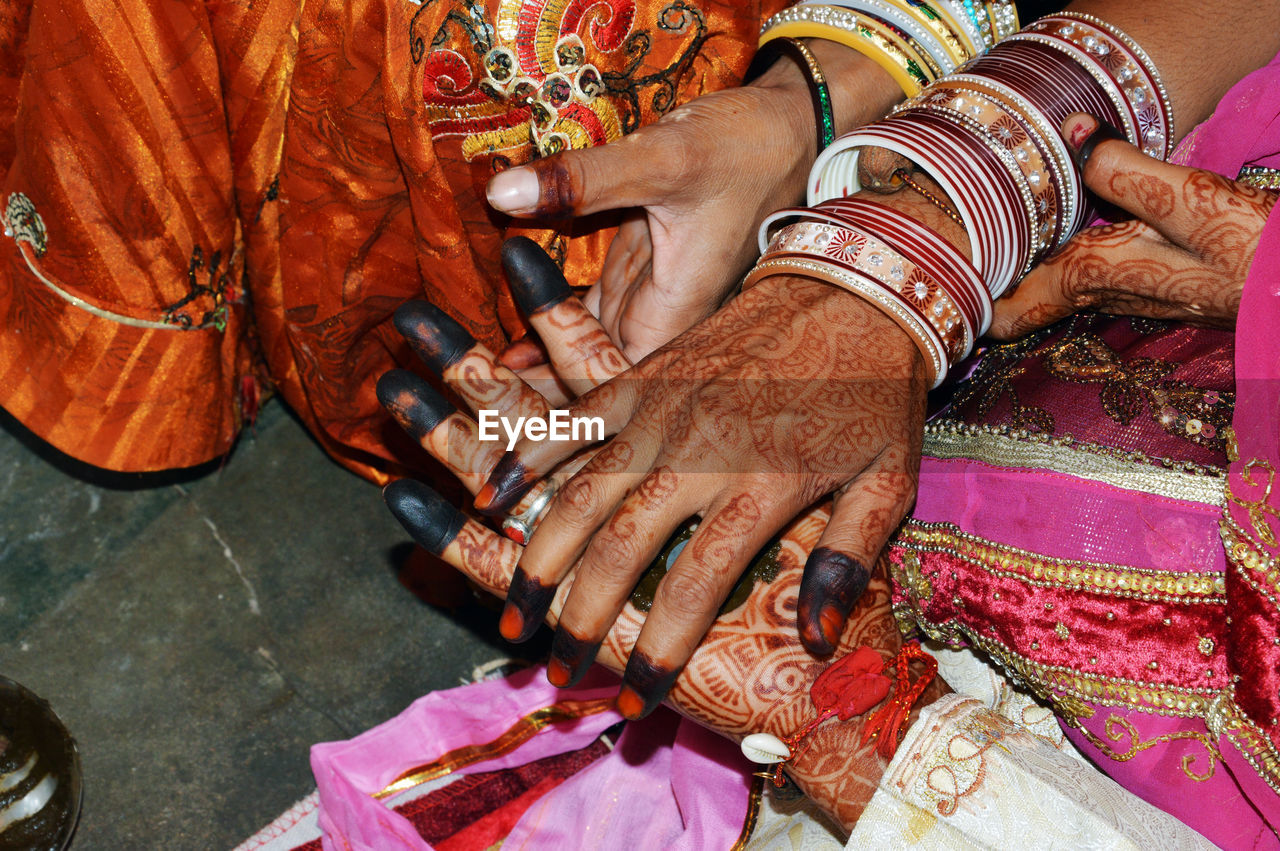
column 1261, row 512
column 1122, row 732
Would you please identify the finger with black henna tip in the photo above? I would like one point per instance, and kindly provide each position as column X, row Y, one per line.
column 571, row 658
column 644, row 685
column 831, row 586
column 506, row 484
column 586, row 501
column 415, row 404
column 439, row 528
column 470, row 368
column 528, row 601
column 435, row 336
column 445, row 433
column 516, row 472
column 837, row 570
column 424, row 514
column 733, row 530
column 616, row 558
column 536, row 281
column 576, row 342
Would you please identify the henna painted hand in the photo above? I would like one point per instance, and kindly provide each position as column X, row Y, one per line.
column 750, row 674
column 694, row 203
column 1184, row 256
column 793, row 390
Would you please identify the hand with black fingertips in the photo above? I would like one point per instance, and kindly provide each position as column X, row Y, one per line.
column 428, row 517
column 731, row 680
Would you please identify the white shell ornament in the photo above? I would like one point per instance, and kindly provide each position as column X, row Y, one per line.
column 765, row 748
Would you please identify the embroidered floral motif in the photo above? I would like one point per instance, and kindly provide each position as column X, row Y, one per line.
column 23, row 223
column 1182, row 409
column 530, row 82
column 994, row 379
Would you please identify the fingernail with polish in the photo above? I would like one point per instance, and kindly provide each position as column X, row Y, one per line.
column 536, row 281
column 831, row 585
column 514, row 191
column 571, row 658
column 644, row 686
column 424, row 514
column 413, row 402
column 1084, row 136
column 508, row 482
column 527, row 603
column 435, row 336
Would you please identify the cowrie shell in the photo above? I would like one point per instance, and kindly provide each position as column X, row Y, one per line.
column 765, row 748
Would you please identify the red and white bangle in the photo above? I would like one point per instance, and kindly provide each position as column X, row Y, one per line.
column 857, row 250
column 942, row 260
column 1129, row 66
column 1064, row 178
column 978, row 129
column 907, row 317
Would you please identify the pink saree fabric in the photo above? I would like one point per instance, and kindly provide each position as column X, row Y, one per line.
column 1176, row 697
column 667, row 783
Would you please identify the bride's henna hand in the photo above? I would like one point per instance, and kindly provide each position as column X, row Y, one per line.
column 745, row 420
column 1184, row 256
column 750, row 674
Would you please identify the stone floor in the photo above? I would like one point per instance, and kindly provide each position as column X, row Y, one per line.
column 198, row 632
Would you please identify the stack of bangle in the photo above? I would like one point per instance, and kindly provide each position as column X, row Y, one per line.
column 915, row 41
column 989, row 138
column 884, row 256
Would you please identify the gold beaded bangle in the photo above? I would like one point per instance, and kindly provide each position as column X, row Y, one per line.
column 859, row 32
column 1004, row 17
column 933, row 20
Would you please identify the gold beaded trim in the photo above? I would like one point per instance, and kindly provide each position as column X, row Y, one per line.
column 1000, row 446
column 1071, row 691
column 1258, row 569
column 1136, row 583
column 1225, row 718
column 1260, row 177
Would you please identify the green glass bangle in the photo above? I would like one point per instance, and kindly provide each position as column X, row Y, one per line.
column 819, row 91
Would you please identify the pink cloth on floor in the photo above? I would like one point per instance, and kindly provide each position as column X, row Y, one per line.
column 668, row 783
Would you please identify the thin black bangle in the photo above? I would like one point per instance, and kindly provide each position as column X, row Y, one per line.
column 798, row 51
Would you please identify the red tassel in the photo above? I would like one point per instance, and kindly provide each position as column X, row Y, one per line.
column 890, row 721
column 855, row 683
